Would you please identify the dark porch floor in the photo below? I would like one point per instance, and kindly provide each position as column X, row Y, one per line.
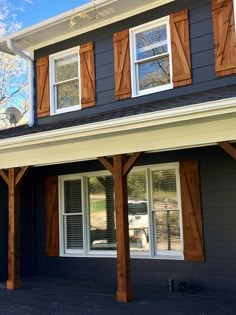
column 53, row 296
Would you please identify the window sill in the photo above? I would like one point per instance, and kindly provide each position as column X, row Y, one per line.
column 133, row 256
column 153, row 90
column 65, row 110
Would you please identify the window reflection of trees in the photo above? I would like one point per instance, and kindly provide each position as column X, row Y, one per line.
column 67, row 81
column 152, row 58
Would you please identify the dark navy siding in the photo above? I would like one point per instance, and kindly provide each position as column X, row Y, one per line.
column 3, row 229
column 28, row 263
column 202, row 56
column 218, row 188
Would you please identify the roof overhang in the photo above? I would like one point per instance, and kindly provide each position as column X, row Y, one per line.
column 58, row 28
column 179, row 128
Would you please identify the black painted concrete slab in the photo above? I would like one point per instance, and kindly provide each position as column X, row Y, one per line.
column 53, row 296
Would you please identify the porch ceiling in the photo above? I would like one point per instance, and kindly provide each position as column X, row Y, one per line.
column 83, row 146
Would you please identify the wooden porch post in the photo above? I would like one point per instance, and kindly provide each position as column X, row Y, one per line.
column 13, row 178
column 120, row 170
column 13, row 281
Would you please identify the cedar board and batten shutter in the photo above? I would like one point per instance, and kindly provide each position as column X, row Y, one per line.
column 122, row 65
column 224, row 37
column 52, row 216
column 180, row 48
column 43, row 96
column 87, row 71
column 191, row 211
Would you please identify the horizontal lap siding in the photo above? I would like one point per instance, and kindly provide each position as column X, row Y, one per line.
column 218, row 187
column 3, row 230
column 202, row 56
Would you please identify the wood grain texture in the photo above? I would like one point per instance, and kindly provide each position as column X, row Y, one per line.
column 227, row 147
column 87, row 71
column 4, row 175
column 51, row 216
column 107, row 164
column 224, row 37
column 13, row 281
column 122, row 65
column 180, row 47
column 43, row 94
column 124, row 292
column 191, row 211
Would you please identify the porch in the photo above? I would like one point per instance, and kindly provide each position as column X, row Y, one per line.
column 45, row 295
column 33, row 215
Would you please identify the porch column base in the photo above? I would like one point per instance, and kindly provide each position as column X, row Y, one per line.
column 124, row 296
column 13, row 284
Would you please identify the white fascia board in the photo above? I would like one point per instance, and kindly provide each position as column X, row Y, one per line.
column 44, row 27
column 100, row 23
column 179, row 135
column 130, row 123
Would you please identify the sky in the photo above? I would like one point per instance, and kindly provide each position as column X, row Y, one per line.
column 35, row 11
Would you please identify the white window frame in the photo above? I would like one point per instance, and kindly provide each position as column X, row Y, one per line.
column 52, row 58
column 134, row 76
column 62, row 227
column 86, row 251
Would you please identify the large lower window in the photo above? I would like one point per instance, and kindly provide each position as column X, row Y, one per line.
column 150, row 57
column 88, row 223
column 64, row 81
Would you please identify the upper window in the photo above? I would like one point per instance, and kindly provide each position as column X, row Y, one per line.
column 88, row 225
column 151, row 57
column 65, row 81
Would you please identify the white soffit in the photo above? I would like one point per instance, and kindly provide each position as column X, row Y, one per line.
column 58, row 28
column 191, row 126
column 185, row 134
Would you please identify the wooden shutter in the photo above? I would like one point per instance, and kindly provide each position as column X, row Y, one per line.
column 43, row 98
column 180, row 47
column 87, row 70
column 52, row 216
column 191, row 208
column 224, row 37
column 122, row 65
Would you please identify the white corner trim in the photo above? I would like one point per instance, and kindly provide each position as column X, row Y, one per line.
column 130, row 123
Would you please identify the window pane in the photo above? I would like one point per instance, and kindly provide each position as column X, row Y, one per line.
column 154, row 73
column 168, row 230
column 166, row 210
column 66, row 68
column 74, row 231
column 72, row 195
column 101, row 213
column 152, row 42
column 67, row 94
column 138, row 212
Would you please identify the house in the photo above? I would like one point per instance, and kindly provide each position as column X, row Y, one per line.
column 126, row 171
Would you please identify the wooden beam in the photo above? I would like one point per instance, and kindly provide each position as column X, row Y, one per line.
column 24, row 170
column 124, row 292
column 130, row 163
column 120, row 169
column 4, row 176
column 231, row 150
column 107, row 164
column 13, row 281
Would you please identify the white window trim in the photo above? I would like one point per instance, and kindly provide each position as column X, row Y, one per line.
column 62, row 226
column 87, row 252
column 132, row 32
column 53, row 105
